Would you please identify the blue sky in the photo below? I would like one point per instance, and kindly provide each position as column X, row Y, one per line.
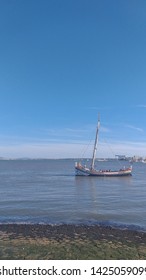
column 62, row 62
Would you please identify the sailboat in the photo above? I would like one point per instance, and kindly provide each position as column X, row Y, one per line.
column 82, row 170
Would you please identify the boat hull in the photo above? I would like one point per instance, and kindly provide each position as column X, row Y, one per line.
column 83, row 171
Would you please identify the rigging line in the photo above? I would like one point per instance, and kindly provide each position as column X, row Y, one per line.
column 112, row 152
column 85, row 149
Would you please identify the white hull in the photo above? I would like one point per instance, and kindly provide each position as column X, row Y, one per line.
column 83, row 171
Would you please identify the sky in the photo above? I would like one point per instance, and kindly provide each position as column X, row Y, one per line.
column 61, row 63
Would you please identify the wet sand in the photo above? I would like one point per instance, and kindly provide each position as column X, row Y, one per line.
column 32, row 241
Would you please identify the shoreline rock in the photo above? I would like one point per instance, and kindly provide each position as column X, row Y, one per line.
column 94, row 232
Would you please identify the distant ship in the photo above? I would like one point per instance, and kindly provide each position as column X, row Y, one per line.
column 82, row 170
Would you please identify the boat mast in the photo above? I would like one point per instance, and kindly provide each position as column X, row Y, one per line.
column 95, row 144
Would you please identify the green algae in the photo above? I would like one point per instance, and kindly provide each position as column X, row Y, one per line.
column 46, row 249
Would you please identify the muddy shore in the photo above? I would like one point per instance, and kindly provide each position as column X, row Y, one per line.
column 36, row 241
column 59, row 232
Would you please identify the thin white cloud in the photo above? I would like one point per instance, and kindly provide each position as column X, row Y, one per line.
column 141, row 106
column 134, row 127
column 71, row 150
column 72, row 133
column 104, row 129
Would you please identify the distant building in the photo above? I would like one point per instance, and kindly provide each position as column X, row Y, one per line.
column 120, row 157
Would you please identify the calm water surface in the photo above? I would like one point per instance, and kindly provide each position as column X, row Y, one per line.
column 46, row 191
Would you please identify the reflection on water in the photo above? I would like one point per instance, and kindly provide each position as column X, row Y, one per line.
column 113, row 200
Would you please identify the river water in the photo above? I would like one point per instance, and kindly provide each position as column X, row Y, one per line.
column 47, row 191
